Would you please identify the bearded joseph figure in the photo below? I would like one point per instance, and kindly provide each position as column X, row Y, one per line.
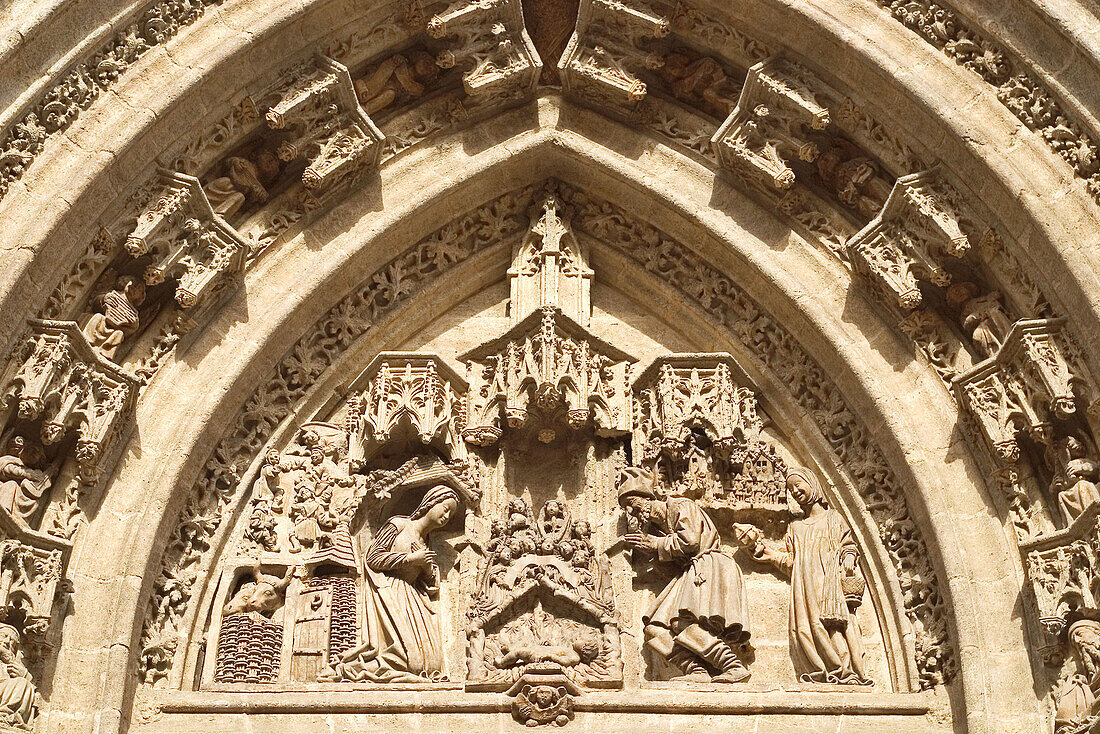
column 402, row 637
column 700, row 622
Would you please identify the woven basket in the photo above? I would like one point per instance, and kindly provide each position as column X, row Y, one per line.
column 853, row 587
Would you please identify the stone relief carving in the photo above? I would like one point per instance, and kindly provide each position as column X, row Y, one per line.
column 501, row 65
column 57, row 108
column 115, row 316
column 1023, row 387
column 765, row 130
column 543, row 603
column 19, row 699
column 249, row 639
column 594, row 218
column 700, row 81
column 187, row 242
column 820, row 557
column 402, row 635
column 544, row 373
column 907, row 240
column 610, row 47
column 66, row 388
column 319, row 110
column 700, row 621
column 396, row 80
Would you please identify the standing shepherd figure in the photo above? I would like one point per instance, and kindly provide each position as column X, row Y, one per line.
column 819, row 554
column 701, row 619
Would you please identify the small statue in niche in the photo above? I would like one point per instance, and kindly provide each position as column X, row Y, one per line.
column 22, row 480
column 853, row 177
column 114, row 316
column 18, row 696
column 402, row 637
column 983, row 317
column 1080, row 489
column 1077, row 705
column 701, row 619
column 396, row 78
column 819, row 556
column 227, row 194
column 699, row 80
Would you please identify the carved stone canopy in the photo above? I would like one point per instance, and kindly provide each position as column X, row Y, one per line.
column 32, row 578
column 188, row 241
column 406, row 397
column 1022, row 388
column 545, row 368
column 318, row 108
column 68, row 388
column 764, row 131
column 906, row 242
column 550, row 268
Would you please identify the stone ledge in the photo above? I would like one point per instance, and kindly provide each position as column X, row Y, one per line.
column 647, row 700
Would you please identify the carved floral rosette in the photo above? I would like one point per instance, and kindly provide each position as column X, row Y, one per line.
column 65, row 386
column 408, row 397
column 907, row 240
column 547, row 366
column 1021, row 389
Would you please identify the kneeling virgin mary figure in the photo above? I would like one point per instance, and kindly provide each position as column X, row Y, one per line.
column 401, row 635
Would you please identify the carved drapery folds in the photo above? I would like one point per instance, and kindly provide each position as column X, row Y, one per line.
column 765, row 130
column 69, row 389
column 550, row 267
column 550, row 367
column 408, row 397
column 608, row 48
column 318, row 108
column 501, row 64
column 1021, row 389
column 188, row 242
column 907, row 241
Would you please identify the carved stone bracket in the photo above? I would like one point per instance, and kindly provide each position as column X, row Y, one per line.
column 765, row 130
column 547, row 365
column 503, row 66
column 188, row 241
column 906, row 241
column 607, row 49
column 408, row 396
column 1020, row 389
column 66, row 386
column 318, row 107
column 1063, row 569
column 32, row 579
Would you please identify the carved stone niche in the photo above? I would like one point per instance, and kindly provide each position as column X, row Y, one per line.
column 502, row 65
column 65, row 386
column 543, row 604
column 545, row 372
column 550, row 267
column 32, row 582
column 1022, row 388
column 407, row 398
column 765, row 130
column 318, row 109
column 906, row 241
column 700, row 430
column 601, row 60
column 188, row 242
